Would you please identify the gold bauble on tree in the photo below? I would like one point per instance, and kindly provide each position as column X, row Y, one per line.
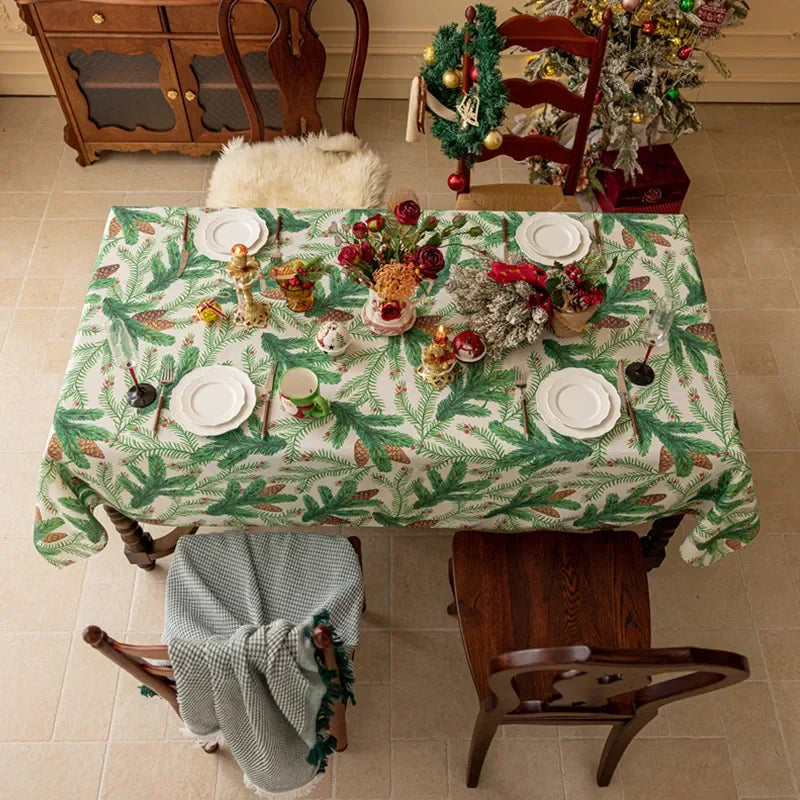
column 676, row 41
column 550, row 70
column 429, row 55
column 637, row 118
column 493, row 140
column 451, row 78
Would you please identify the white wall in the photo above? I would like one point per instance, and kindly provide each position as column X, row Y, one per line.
column 764, row 54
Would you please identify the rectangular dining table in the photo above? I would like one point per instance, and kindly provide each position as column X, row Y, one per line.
column 394, row 451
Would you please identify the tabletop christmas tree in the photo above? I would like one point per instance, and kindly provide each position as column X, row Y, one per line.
column 655, row 52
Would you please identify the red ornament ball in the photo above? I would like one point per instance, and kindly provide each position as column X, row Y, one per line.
column 598, row 96
column 649, row 27
column 473, row 74
column 456, row 182
column 469, row 347
column 684, row 52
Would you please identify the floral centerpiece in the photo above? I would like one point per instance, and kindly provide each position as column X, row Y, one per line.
column 576, row 290
column 390, row 257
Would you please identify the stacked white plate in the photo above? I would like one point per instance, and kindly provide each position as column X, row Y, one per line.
column 209, row 401
column 549, row 237
column 218, row 231
column 578, row 403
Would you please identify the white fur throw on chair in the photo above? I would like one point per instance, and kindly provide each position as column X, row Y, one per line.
column 318, row 171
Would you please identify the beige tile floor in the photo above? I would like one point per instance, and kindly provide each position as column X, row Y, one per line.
column 73, row 729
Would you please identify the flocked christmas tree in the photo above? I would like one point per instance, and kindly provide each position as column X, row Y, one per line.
column 655, row 54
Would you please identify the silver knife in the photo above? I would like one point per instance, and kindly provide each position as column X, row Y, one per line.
column 622, row 391
column 268, row 385
column 184, row 251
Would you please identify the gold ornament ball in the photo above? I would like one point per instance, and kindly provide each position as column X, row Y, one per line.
column 677, row 41
column 429, row 55
column 493, row 140
column 451, row 79
column 550, row 70
column 637, row 117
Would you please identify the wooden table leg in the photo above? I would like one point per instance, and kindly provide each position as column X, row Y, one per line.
column 654, row 544
column 141, row 548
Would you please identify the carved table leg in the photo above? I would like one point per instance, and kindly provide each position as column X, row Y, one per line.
column 140, row 547
column 654, row 544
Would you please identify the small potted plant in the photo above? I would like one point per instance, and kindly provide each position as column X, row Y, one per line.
column 296, row 279
column 576, row 291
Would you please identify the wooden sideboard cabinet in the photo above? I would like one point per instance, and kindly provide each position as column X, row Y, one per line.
column 152, row 74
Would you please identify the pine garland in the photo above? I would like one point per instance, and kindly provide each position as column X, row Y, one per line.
column 484, row 45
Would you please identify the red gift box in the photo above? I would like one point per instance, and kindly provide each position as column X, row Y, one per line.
column 659, row 189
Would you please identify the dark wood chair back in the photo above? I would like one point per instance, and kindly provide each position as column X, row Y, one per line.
column 297, row 61
column 539, row 33
column 556, row 630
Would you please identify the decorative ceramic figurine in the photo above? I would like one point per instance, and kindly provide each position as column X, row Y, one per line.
column 244, row 270
column 439, row 367
column 333, row 338
column 469, row 347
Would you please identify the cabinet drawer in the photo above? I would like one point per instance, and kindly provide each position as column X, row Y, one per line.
column 250, row 18
column 61, row 15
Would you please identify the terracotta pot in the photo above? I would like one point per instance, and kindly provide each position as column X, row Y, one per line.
column 567, row 323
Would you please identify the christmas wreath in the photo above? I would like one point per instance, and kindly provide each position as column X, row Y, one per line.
column 483, row 107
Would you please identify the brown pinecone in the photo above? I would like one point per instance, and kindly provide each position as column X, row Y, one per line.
column 665, row 461
column 333, row 520
column 628, row 238
column 37, row 515
column 561, row 493
column 637, row 283
column 650, row 499
column 50, row 538
column 422, row 523
column 268, row 507
column 273, row 294
column 702, row 461
column 360, row 453
column 429, row 323
column 734, row 544
column 89, row 448
column 274, row 489
column 612, row 322
column 54, row 449
column 699, row 460
column 145, row 227
column 336, row 316
column 366, row 494
column 657, row 238
column 114, row 227
column 548, row 511
column 154, row 319
column 106, row 272
column 705, row 330
column 396, row 454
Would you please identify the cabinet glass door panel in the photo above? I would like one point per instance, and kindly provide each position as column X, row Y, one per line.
column 127, row 89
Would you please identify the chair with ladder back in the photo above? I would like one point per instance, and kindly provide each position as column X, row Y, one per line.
column 534, row 34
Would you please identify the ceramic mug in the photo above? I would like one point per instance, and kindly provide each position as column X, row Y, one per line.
column 300, row 397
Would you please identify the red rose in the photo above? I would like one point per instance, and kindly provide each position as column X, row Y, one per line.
column 429, row 260
column 390, row 309
column 360, row 230
column 348, row 255
column 367, row 251
column 407, row 212
column 376, row 222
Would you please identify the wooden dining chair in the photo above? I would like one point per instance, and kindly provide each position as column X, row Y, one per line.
column 534, row 34
column 150, row 664
column 556, row 630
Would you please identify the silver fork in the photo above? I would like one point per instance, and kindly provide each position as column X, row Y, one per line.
column 522, row 385
column 167, row 376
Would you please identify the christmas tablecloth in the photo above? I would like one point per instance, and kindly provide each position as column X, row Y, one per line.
column 394, row 451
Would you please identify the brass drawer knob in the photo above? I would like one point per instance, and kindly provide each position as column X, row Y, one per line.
column 98, row 18
column 172, row 94
column 189, row 95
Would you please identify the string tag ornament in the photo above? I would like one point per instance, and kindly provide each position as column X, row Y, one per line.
column 467, row 110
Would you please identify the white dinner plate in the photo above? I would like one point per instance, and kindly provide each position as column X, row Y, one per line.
column 593, row 432
column 180, row 417
column 218, row 231
column 576, row 398
column 527, row 246
column 554, row 236
column 213, row 397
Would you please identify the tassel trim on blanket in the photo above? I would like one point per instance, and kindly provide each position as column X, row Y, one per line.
column 289, row 794
column 217, row 737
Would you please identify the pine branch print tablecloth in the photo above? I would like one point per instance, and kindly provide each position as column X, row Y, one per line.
column 394, row 451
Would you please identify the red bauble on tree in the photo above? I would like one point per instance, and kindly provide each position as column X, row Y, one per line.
column 684, row 52
column 473, row 74
column 649, row 27
column 456, row 182
column 598, row 96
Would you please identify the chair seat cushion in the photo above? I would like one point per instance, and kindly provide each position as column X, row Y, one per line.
column 516, row 197
column 518, row 591
column 317, row 171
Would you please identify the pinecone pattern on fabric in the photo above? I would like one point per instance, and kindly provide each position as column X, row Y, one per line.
column 705, row 330
column 333, row 520
column 268, row 507
column 366, row 494
column 657, row 238
column 666, row 462
column 144, row 227
column 54, row 449
column 548, row 511
column 650, row 499
column 88, row 447
column 275, row 488
column 429, row 323
column 107, row 271
column 154, row 319
column 361, row 454
column 612, row 322
column 635, row 284
column 273, row 294
column 628, row 238
column 336, row 315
